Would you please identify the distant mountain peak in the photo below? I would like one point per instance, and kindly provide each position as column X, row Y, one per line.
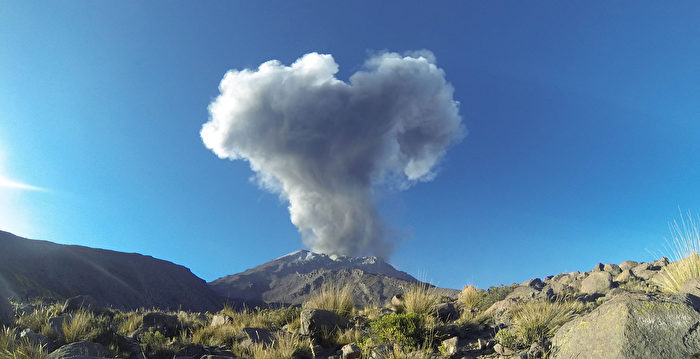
column 292, row 277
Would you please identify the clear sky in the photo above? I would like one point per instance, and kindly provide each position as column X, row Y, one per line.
column 583, row 122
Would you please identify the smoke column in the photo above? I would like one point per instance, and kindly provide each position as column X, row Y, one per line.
column 324, row 145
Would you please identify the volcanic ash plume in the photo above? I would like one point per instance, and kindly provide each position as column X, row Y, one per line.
column 324, row 144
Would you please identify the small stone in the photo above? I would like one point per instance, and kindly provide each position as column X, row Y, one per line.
column 500, row 349
column 351, row 351
column 450, row 345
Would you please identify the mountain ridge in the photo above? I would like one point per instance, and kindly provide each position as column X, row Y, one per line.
column 291, row 278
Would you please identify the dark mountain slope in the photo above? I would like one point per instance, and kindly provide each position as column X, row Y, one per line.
column 33, row 268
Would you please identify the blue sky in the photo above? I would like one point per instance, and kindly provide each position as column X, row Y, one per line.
column 583, row 127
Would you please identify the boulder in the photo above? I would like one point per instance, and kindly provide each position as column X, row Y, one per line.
column 56, row 323
column 661, row 262
column 249, row 337
column 37, row 339
column 625, row 276
column 522, row 292
column 397, row 300
column 166, row 324
column 691, row 286
column 7, row 312
column 612, row 268
column 351, row 351
column 315, row 321
column 628, row 265
column 79, row 349
column 598, row 267
column 446, row 311
column 633, row 325
column 534, row 283
column 645, row 271
column 597, row 283
column 499, row 311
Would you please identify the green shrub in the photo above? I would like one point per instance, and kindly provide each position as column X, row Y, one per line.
column 507, row 338
column 155, row 342
column 493, row 295
column 402, row 329
column 334, row 298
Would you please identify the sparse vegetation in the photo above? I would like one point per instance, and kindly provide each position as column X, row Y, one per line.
column 334, row 298
column 684, row 249
column 420, row 298
column 284, row 346
column 81, row 326
column 534, row 321
column 11, row 347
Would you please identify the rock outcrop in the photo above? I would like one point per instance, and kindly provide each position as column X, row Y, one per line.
column 633, row 325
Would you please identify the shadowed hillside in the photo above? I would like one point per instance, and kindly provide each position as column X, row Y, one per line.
column 32, row 268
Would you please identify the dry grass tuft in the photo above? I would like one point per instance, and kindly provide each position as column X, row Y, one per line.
column 421, row 298
column 284, row 346
column 334, row 298
column 13, row 348
column 82, row 326
column 535, row 321
column 685, row 252
column 469, row 298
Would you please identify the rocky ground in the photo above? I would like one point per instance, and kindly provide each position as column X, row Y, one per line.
column 612, row 311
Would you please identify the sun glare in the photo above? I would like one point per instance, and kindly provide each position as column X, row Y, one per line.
column 8, row 183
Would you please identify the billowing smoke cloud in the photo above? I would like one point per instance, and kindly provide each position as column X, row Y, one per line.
column 325, row 145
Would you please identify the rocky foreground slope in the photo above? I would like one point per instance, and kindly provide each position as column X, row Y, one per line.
column 32, row 268
column 293, row 278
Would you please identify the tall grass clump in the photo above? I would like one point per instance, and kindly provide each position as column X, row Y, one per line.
column 82, row 326
column 684, row 249
column 284, row 346
column 334, row 298
column 13, row 348
column 469, row 298
column 535, row 321
column 421, row 298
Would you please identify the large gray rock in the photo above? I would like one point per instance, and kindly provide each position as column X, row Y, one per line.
column 628, row 265
column 633, row 326
column 612, row 268
column 79, row 349
column 249, row 337
column 37, row 339
column 315, row 321
column 596, row 283
column 691, row 286
column 446, row 311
